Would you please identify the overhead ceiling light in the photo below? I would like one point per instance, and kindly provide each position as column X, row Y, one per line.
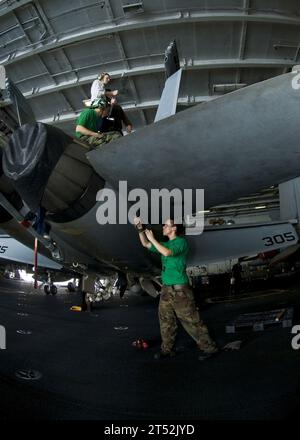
column 260, row 207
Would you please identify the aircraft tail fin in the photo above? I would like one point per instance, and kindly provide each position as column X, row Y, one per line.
column 168, row 101
column 171, row 59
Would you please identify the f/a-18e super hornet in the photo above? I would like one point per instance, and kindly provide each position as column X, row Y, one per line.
column 15, row 256
column 231, row 147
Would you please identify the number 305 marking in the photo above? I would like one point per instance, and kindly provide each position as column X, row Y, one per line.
column 279, row 239
column 3, row 249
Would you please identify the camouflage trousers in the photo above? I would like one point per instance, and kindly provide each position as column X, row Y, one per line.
column 181, row 303
column 97, row 142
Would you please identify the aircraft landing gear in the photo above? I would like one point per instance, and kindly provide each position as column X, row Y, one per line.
column 53, row 289
column 121, row 284
column 50, row 289
column 71, row 287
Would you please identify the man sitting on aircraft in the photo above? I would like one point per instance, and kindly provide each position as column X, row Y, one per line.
column 176, row 297
column 87, row 124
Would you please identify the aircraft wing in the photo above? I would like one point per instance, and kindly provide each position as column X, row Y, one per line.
column 14, row 251
column 232, row 146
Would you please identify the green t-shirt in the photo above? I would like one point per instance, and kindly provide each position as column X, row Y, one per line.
column 88, row 119
column 174, row 267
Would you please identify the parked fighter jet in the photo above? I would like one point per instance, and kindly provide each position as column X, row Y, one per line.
column 230, row 147
column 15, row 256
column 13, row 251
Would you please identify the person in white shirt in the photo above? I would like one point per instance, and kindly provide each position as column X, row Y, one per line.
column 98, row 89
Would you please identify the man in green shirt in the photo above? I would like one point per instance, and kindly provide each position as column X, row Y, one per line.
column 87, row 122
column 176, row 297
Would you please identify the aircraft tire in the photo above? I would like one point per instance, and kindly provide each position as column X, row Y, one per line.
column 47, row 289
column 53, row 289
column 71, row 287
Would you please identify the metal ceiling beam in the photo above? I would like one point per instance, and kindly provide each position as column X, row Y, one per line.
column 83, row 92
column 187, row 101
column 158, row 68
column 10, row 5
column 20, row 25
column 131, row 81
column 50, row 28
column 243, row 39
column 43, row 17
column 67, row 101
column 25, row 35
column 120, row 46
column 146, row 21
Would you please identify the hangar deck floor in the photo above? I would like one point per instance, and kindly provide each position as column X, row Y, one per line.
column 90, row 370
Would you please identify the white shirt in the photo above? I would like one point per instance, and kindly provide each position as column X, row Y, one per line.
column 97, row 90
